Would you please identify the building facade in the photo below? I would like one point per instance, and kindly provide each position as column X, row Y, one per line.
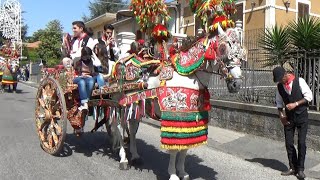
column 254, row 14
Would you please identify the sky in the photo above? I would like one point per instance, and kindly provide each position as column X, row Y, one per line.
column 39, row 12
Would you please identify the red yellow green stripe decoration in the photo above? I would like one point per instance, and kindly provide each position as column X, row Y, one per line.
column 186, row 70
column 183, row 132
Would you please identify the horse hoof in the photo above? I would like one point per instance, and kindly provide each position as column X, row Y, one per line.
column 186, row 177
column 126, row 140
column 174, row 177
column 123, row 166
column 137, row 162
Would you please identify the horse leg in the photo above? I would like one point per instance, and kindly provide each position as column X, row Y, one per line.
column 122, row 153
column 2, row 88
column 180, row 165
column 133, row 126
column 14, row 86
column 172, row 165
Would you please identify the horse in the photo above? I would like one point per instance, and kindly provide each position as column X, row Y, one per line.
column 183, row 100
column 3, row 64
column 10, row 75
column 182, row 97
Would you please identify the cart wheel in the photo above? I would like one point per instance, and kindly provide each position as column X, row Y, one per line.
column 51, row 116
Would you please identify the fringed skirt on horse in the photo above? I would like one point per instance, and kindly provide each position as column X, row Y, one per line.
column 9, row 78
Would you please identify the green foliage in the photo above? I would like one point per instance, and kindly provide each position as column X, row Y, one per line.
column 99, row 7
column 33, row 55
column 276, row 43
column 51, row 41
column 24, row 31
column 305, row 33
column 36, row 35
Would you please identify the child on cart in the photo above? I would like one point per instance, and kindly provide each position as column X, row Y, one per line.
column 85, row 77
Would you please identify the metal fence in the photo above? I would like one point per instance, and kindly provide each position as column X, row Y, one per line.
column 258, row 86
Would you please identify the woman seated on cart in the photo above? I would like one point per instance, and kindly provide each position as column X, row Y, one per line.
column 86, row 77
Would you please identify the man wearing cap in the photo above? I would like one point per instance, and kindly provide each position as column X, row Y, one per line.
column 293, row 94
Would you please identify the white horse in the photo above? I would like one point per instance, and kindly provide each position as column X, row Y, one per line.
column 183, row 101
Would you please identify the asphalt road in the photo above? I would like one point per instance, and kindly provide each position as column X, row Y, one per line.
column 89, row 157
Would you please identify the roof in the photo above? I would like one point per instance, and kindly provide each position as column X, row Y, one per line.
column 33, row 45
column 104, row 18
column 123, row 21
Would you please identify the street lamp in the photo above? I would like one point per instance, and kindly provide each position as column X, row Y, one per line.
column 287, row 5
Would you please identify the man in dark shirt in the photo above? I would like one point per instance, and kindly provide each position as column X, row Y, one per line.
column 293, row 94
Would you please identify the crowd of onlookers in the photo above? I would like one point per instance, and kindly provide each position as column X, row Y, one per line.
column 24, row 73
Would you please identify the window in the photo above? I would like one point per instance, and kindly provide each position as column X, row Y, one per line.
column 239, row 13
column 198, row 25
column 303, row 10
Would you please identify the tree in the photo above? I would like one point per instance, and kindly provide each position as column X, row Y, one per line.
column 51, row 40
column 276, row 43
column 305, row 33
column 36, row 35
column 99, row 7
column 24, row 31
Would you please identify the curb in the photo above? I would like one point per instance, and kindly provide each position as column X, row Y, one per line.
column 29, row 83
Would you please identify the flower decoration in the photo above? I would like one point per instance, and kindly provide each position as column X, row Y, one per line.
column 218, row 10
column 160, row 33
column 149, row 12
column 223, row 21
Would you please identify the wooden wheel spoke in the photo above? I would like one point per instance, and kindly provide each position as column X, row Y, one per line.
column 50, row 141
column 55, row 137
column 42, row 103
column 56, row 106
column 51, row 122
column 42, row 125
column 40, row 115
column 57, row 128
column 41, row 135
column 45, row 144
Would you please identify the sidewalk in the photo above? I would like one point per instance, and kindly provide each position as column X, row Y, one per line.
column 29, row 83
column 267, row 152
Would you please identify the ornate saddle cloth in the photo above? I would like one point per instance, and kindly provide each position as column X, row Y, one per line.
column 130, row 68
column 8, row 77
column 187, row 62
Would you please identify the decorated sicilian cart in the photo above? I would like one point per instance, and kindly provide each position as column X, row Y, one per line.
column 9, row 67
column 150, row 80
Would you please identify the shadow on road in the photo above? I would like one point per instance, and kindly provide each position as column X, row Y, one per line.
column 270, row 163
column 157, row 162
column 154, row 159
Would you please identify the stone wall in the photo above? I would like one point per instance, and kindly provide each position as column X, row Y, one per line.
column 259, row 120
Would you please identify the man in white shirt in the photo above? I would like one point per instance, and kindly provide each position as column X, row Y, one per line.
column 293, row 94
column 80, row 39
